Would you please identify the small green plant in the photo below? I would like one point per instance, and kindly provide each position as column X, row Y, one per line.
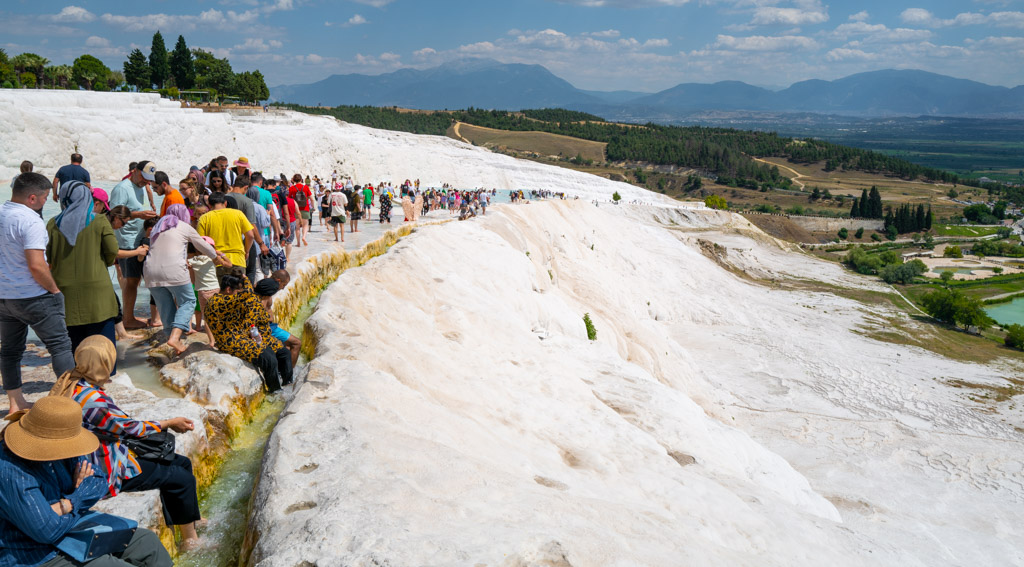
column 843, row 233
column 875, row 237
column 860, row 233
column 591, row 330
column 616, row 197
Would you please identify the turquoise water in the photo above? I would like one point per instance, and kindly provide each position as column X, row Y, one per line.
column 225, row 504
column 1008, row 313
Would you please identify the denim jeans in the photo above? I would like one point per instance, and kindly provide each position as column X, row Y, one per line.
column 176, row 305
column 45, row 314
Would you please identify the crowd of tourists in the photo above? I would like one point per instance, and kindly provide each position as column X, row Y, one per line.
column 212, row 255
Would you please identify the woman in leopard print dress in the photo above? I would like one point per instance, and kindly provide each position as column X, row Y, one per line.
column 231, row 314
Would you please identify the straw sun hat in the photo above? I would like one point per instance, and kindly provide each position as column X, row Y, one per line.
column 52, row 430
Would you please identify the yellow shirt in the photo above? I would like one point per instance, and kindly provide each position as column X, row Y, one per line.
column 227, row 228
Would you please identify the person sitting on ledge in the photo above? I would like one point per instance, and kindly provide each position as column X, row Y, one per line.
column 265, row 290
column 46, row 487
column 241, row 327
column 121, row 469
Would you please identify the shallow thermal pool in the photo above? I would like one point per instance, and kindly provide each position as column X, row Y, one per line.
column 1008, row 313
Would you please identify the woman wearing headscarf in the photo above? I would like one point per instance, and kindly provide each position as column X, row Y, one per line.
column 80, row 249
column 385, row 205
column 232, row 316
column 166, row 271
column 124, row 472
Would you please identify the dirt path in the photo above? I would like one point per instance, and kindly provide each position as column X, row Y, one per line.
column 797, row 175
column 459, row 134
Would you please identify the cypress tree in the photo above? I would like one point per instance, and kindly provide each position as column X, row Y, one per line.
column 865, row 207
column 158, row 66
column 876, row 203
column 855, row 209
column 919, row 219
column 182, row 66
column 136, row 70
column 928, row 219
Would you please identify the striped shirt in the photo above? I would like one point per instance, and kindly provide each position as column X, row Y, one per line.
column 29, row 528
column 102, row 416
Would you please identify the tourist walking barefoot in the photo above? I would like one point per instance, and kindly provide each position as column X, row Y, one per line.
column 338, row 203
column 29, row 297
column 82, row 246
column 355, row 208
column 166, row 271
column 385, row 205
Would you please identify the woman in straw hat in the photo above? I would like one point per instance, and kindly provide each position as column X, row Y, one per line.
column 46, row 486
column 123, row 471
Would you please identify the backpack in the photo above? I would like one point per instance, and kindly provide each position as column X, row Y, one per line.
column 301, row 198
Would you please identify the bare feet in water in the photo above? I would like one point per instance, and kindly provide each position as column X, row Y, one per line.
column 177, row 346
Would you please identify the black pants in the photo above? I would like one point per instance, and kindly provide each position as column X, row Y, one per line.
column 252, row 260
column 78, row 333
column 276, row 368
column 177, row 487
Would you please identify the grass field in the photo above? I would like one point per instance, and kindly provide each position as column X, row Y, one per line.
column 541, row 143
column 962, row 230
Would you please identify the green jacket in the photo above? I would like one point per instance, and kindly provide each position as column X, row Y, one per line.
column 81, row 271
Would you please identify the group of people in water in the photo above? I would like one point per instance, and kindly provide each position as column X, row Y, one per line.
column 213, row 255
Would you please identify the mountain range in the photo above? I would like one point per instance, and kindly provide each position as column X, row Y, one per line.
column 485, row 83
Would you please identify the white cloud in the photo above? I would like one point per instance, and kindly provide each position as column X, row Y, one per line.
column 625, row 3
column 375, row 3
column 922, row 17
column 859, row 16
column 844, row 54
column 765, row 43
column 879, row 33
column 73, row 14
column 253, row 44
column 788, row 16
column 183, row 22
column 606, row 34
column 425, row 52
column 356, row 20
column 96, row 41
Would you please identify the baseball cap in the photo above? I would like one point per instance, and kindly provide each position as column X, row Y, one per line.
column 148, row 170
column 101, row 196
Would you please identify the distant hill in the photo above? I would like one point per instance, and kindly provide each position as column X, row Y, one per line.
column 485, row 83
column 481, row 83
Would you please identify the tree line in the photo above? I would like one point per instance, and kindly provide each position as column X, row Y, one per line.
column 721, row 152
column 168, row 72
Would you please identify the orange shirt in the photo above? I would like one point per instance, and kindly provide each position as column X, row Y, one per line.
column 173, row 197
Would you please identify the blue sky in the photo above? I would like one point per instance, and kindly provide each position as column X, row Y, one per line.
column 643, row 45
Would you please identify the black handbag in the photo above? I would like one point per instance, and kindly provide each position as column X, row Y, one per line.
column 157, row 447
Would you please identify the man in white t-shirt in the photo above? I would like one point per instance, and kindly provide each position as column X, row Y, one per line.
column 29, row 296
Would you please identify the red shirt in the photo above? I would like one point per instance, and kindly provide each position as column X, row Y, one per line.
column 293, row 210
column 305, row 189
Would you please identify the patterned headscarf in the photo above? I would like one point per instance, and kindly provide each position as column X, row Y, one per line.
column 76, row 202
